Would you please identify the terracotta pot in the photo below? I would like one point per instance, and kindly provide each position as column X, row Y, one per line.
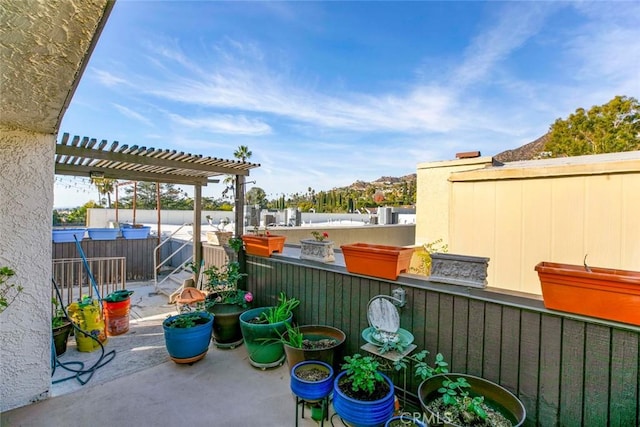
column 601, row 292
column 263, row 245
column 386, row 262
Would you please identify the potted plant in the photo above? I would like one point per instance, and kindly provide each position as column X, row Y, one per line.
column 461, row 400
column 591, row 291
column 135, row 231
column 66, row 235
column 405, row 420
column 226, row 302
column 61, row 327
column 382, row 261
column 263, row 244
column 317, row 249
column 313, row 342
column 362, row 395
column 456, row 399
column 311, row 381
column 218, row 237
column 187, row 335
column 262, row 328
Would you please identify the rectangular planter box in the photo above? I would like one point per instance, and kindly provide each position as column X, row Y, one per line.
column 314, row 250
column 604, row 293
column 219, row 238
column 103, row 233
column 460, row 270
column 67, row 235
column 263, row 245
column 136, row 232
column 382, row 261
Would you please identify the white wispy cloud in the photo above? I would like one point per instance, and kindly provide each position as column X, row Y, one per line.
column 128, row 112
column 225, row 124
column 109, row 79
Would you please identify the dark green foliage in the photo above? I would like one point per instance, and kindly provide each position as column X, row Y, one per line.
column 608, row 128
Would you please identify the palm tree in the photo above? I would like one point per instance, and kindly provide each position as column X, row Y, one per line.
column 242, row 153
column 105, row 186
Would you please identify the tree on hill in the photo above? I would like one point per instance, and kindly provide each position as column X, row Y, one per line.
column 608, row 128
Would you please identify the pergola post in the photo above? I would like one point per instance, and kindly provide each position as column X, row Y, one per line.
column 197, row 227
column 239, row 205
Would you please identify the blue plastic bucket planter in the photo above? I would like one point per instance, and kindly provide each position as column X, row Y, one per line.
column 310, row 390
column 361, row 413
column 66, row 235
column 103, row 233
column 188, row 345
column 136, row 232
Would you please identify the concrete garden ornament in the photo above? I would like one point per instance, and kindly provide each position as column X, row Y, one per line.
column 317, row 249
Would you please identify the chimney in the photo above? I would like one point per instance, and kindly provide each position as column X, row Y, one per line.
column 468, row 155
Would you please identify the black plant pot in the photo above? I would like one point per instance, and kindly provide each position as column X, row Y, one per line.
column 60, row 337
column 494, row 394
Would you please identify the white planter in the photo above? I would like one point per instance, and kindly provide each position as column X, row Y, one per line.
column 314, row 250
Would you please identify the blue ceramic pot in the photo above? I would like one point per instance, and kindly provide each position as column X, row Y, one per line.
column 187, row 345
column 361, row 413
column 311, row 390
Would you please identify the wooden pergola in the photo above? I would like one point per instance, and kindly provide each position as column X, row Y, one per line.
column 86, row 157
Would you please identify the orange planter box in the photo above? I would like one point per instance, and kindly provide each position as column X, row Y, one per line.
column 386, row 262
column 602, row 292
column 263, row 245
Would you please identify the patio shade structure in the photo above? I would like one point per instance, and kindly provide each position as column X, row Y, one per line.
column 86, row 157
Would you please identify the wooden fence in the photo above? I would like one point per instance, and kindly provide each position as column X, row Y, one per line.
column 567, row 370
column 138, row 252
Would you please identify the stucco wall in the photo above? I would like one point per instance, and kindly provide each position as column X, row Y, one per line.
column 434, row 193
column 26, row 201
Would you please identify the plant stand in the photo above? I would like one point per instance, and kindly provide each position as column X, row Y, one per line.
column 315, row 250
column 324, row 408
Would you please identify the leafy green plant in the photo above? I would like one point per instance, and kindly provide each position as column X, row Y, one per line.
column 292, row 337
column 236, row 244
column 8, row 291
column 282, row 311
column 187, row 320
column 362, row 372
column 58, row 316
column 425, row 256
column 455, row 393
column 223, row 286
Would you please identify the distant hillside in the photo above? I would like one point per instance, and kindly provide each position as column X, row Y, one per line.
column 528, row 151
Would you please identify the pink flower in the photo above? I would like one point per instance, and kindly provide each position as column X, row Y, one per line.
column 325, row 235
column 248, row 297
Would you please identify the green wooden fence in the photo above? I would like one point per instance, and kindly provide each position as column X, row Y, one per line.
column 567, row 370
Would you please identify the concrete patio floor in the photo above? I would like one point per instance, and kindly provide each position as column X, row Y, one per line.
column 142, row 386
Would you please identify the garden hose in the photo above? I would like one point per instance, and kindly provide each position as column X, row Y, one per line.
column 80, row 372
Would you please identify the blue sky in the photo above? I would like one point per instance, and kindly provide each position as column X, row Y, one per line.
column 327, row 93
